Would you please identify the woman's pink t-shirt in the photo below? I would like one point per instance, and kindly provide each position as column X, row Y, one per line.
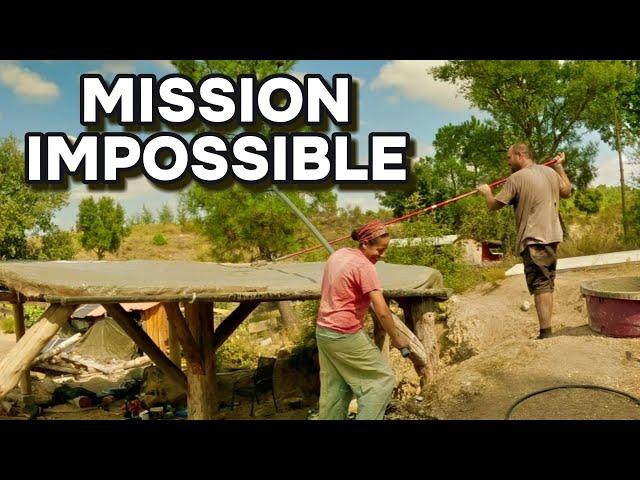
column 348, row 278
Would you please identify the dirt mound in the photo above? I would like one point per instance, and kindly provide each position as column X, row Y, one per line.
column 489, row 358
column 485, row 386
column 491, row 314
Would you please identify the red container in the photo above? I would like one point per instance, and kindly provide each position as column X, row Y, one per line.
column 613, row 305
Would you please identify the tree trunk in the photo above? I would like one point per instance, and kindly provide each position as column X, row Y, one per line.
column 18, row 321
column 290, row 320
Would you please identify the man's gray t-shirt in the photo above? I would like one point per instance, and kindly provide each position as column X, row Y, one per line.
column 534, row 193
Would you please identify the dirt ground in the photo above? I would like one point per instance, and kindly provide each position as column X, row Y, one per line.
column 491, row 359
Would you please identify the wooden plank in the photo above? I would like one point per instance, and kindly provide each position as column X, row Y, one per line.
column 202, row 400
column 437, row 294
column 58, row 348
column 20, row 357
column 20, row 328
column 191, row 349
column 147, row 345
column 233, row 321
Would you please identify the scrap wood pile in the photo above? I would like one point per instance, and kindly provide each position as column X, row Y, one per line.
column 60, row 360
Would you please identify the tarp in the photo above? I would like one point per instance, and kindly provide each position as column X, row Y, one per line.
column 106, row 341
column 158, row 280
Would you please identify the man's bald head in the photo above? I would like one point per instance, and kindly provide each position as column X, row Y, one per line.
column 519, row 156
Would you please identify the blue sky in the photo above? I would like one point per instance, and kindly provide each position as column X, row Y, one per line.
column 395, row 95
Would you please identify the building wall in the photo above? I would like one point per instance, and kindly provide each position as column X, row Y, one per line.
column 155, row 323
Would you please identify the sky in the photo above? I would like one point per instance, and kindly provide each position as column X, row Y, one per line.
column 394, row 96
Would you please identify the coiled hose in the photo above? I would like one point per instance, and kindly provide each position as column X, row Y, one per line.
column 557, row 387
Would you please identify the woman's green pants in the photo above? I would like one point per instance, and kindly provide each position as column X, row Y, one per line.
column 350, row 364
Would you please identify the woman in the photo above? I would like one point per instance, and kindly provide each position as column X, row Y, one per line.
column 349, row 361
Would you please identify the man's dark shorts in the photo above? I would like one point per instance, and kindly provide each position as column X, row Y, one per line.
column 540, row 267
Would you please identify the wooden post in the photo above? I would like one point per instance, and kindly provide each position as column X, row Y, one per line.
column 20, row 357
column 19, row 326
column 147, row 345
column 422, row 314
column 202, row 400
column 175, row 352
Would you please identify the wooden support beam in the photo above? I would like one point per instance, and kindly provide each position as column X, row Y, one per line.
column 175, row 352
column 19, row 327
column 233, row 321
column 20, row 357
column 202, row 399
column 191, row 349
column 148, row 346
column 422, row 314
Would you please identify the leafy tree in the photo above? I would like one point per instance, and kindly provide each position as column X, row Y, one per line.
column 588, row 201
column 25, row 211
column 146, row 217
column 465, row 155
column 546, row 103
column 242, row 222
column 57, row 245
column 165, row 215
column 101, row 225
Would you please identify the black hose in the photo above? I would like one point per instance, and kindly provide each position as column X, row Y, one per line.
column 593, row 387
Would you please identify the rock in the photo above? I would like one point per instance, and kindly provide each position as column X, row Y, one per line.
column 353, row 407
column 525, row 306
column 418, row 398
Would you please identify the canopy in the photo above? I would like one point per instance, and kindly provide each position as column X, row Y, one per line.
column 161, row 280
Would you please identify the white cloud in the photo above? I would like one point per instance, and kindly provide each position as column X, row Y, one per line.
column 27, row 84
column 164, row 64
column 300, row 76
column 422, row 150
column 609, row 170
column 412, row 78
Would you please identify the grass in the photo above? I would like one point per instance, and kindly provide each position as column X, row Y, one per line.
column 144, row 244
column 7, row 325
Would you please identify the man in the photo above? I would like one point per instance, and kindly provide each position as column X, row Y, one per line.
column 535, row 191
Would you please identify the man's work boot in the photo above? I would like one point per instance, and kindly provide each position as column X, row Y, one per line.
column 544, row 333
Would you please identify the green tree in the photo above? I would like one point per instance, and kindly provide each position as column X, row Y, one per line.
column 101, row 225
column 241, row 222
column 465, row 155
column 146, row 217
column 244, row 224
column 24, row 211
column 165, row 215
column 57, row 245
column 546, row 103
column 588, row 201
